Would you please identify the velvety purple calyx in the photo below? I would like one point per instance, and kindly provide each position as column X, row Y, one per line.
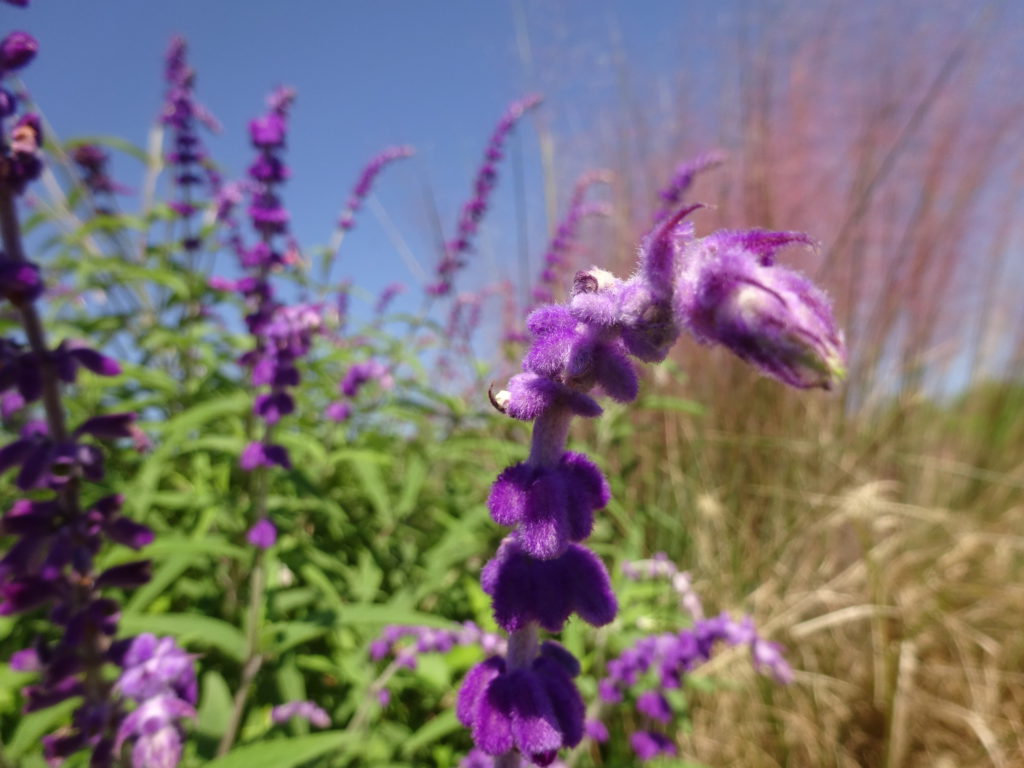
column 17, row 50
column 549, row 505
column 582, row 352
column 728, row 292
column 526, row 590
column 535, row 710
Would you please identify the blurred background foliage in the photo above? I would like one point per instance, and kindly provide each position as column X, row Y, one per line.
column 874, row 532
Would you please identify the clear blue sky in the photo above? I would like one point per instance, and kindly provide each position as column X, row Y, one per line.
column 433, row 74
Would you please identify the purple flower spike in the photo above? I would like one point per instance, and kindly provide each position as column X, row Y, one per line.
column 263, row 534
column 346, row 220
column 474, row 209
column 772, row 317
column 683, row 178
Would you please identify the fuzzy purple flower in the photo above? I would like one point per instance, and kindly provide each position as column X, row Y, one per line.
column 534, row 709
column 730, row 292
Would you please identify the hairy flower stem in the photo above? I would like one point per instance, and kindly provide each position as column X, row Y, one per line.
column 550, row 433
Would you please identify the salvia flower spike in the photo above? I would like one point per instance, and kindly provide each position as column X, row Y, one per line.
column 473, row 210
column 58, row 537
column 525, row 704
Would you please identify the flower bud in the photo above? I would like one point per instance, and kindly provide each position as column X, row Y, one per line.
column 17, row 50
column 731, row 294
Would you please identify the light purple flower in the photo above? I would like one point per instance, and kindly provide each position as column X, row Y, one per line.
column 263, row 534
column 306, row 710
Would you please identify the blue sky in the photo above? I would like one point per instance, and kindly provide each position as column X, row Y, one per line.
column 436, row 75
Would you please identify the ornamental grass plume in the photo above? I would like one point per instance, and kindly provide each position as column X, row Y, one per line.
column 524, row 704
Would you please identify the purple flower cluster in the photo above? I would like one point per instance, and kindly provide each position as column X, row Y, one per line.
column 683, row 178
column 526, row 703
column 357, row 377
column 658, row 663
column 393, row 642
column 57, row 533
column 473, row 210
column 182, row 114
column 347, row 219
column 92, row 162
column 160, row 677
column 20, row 150
column 660, row 567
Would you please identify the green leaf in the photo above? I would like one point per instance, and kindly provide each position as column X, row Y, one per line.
column 282, row 753
column 189, row 627
column 372, row 481
column 431, row 731
column 214, row 705
column 35, row 725
column 281, row 636
column 387, row 614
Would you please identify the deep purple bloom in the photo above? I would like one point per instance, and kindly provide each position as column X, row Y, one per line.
column 535, row 710
column 525, row 590
column 550, row 505
column 17, row 50
column 263, row 534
